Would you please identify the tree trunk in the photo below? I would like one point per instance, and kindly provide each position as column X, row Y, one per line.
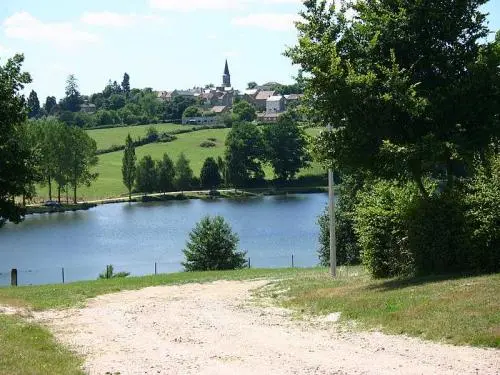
column 417, row 177
column 74, row 195
column 50, row 188
column 59, row 194
column 24, row 200
column 449, row 171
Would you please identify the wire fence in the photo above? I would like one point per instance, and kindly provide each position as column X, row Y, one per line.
column 73, row 273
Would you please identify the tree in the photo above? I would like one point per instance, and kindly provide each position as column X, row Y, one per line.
column 50, row 105
column 72, row 100
column 244, row 154
column 166, row 174
column 252, row 85
column 81, row 151
column 213, row 246
column 126, row 84
column 210, row 175
column 116, row 101
column 183, row 173
column 286, row 147
column 16, row 159
column 129, row 168
column 192, row 111
column 403, row 84
column 244, row 111
column 33, row 105
column 147, row 175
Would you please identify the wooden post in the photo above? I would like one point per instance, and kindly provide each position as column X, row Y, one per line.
column 249, row 263
column 292, row 262
column 13, row 277
column 62, row 274
column 156, row 268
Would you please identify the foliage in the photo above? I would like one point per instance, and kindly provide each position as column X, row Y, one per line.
column 166, row 174
column 244, row 154
column 175, row 108
column 192, row 111
column 244, row 111
column 483, row 215
column 210, row 175
column 16, row 157
column 401, row 85
column 152, row 134
column 208, row 144
column 129, row 168
column 380, row 224
column 126, row 84
column 348, row 250
column 286, row 147
column 183, row 173
column 109, row 273
column 50, row 105
column 146, row 175
column 251, row 85
column 72, row 100
column 213, row 246
column 34, row 110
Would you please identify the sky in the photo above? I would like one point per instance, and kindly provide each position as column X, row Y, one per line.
column 163, row 44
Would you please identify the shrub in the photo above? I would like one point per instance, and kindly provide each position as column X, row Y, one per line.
column 213, row 246
column 109, row 273
column 208, row 144
column 483, row 216
column 381, row 225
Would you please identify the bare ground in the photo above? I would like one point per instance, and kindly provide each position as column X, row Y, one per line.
column 216, row 329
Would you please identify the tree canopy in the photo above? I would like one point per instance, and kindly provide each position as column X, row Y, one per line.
column 210, row 176
column 244, row 111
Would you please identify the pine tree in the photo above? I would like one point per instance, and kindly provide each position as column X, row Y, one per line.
column 128, row 165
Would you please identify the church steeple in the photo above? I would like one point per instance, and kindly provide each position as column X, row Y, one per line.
column 226, row 78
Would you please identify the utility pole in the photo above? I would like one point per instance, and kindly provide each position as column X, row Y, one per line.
column 331, row 211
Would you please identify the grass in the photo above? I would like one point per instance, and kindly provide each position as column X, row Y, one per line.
column 461, row 310
column 109, row 183
column 106, row 138
column 27, row 348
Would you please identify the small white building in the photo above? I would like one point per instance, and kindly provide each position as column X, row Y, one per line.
column 275, row 104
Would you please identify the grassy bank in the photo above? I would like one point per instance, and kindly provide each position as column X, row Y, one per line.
column 27, row 348
column 61, row 208
column 457, row 310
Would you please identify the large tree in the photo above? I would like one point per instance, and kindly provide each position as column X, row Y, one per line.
column 183, row 173
column 50, row 105
column 286, row 147
column 244, row 154
column 210, row 176
column 403, row 83
column 166, row 174
column 244, row 111
column 33, row 105
column 128, row 165
column 126, row 84
column 16, row 158
column 147, row 175
column 73, row 99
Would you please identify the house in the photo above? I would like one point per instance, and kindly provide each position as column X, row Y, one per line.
column 261, row 99
column 166, row 95
column 88, row 108
column 275, row 104
column 220, row 109
column 268, row 117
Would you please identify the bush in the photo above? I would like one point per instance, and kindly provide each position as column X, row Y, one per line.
column 208, row 144
column 213, row 246
column 483, row 216
column 109, row 273
column 380, row 219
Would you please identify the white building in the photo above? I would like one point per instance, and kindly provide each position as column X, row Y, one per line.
column 275, row 104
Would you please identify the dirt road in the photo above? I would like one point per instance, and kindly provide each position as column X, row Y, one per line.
column 217, row 329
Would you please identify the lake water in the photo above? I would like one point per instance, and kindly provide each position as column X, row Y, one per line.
column 134, row 236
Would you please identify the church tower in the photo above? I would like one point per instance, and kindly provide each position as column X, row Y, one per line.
column 226, row 78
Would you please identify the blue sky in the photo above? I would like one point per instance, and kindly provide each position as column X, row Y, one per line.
column 163, row 44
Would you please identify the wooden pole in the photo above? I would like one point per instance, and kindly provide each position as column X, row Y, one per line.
column 292, row 262
column 331, row 211
column 13, row 277
column 156, row 268
column 62, row 274
column 249, row 263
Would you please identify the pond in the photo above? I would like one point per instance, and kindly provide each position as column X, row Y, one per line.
column 138, row 237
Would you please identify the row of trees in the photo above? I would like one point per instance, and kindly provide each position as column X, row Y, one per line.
column 412, row 92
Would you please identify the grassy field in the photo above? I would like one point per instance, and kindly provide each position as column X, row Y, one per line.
column 106, row 138
column 109, row 183
column 27, row 348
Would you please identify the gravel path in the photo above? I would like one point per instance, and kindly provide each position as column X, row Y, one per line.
column 216, row 329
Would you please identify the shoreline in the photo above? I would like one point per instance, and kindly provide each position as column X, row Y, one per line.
column 177, row 196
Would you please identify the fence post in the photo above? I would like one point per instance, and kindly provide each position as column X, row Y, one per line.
column 292, row 262
column 249, row 263
column 13, row 277
column 156, row 268
column 62, row 273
